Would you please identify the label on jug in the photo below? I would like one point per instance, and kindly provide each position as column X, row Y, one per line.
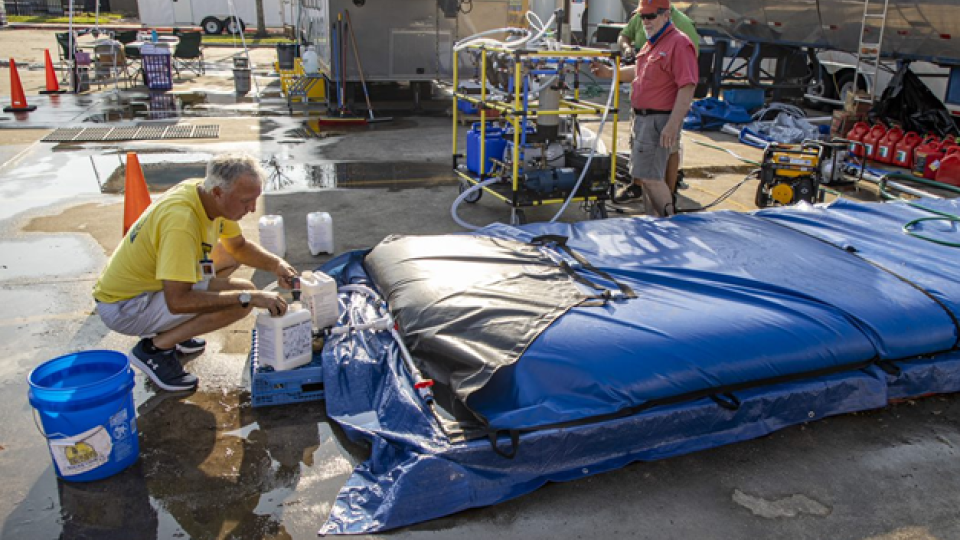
column 83, row 452
column 297, row 340
column 884, row 151
column 901, row 156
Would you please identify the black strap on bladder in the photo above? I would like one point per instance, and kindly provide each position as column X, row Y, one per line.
column 605, row 295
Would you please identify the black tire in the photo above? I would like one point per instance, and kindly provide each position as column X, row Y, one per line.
column 473, row 197
column 211, row 26
column 845, row 84
column 598, row 210
column 230, row 25
column 821, row 86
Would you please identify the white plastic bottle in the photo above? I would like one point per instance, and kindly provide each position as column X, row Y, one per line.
column 319, row 293
column 320, row 233
column 311, row 65
column 285, row 342
column 272, row 237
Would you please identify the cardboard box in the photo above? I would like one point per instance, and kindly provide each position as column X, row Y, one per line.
column 843, row 122
column 854, row 106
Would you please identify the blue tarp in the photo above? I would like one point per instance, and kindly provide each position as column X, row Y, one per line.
column 793, row 314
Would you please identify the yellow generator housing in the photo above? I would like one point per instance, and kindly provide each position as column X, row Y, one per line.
column 789, row 175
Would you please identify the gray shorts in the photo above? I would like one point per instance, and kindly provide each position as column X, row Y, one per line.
column 144, row 315
column 648, row 160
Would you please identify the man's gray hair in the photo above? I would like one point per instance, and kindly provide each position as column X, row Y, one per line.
column 223, row 170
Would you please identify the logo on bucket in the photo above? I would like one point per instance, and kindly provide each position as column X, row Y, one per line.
column 82, row 453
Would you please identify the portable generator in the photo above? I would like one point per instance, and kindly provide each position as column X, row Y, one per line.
column 789, row 174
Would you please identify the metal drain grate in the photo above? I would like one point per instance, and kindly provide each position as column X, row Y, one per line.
column 133, row 133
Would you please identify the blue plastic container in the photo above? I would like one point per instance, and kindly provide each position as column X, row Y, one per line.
column 750, row 99
column 85, row 404
column 493, row 148
column 467, row 107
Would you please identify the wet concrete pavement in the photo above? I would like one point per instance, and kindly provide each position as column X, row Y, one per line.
column 211, row 466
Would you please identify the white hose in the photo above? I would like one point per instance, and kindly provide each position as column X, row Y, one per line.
column 593, row 152
column 424, row 390
column 463, row 196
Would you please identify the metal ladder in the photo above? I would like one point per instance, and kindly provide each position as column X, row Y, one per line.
column 869, row 52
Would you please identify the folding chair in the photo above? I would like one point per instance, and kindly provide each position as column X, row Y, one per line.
column 189, row 54
column 63, row 40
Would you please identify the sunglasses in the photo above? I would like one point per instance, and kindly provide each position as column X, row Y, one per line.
column 649, row 16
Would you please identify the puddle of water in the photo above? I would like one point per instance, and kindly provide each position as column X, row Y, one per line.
column 162, row 171
column 35, row 258
column 172, row 105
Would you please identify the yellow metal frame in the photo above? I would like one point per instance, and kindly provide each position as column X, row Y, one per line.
column 515, row 113
column 288, row 76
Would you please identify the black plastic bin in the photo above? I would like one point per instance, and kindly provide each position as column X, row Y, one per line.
column 286, row 54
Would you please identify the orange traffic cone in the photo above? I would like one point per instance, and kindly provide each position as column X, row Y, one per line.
column 16, row 90
column 53, row 86
column 136, row 198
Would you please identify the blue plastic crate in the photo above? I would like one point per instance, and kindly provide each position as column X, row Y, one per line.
column 269, row 387
column 156, row 71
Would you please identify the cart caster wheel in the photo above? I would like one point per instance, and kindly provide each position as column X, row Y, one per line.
column 598, row 210
column 473, row 197
column 518, row 217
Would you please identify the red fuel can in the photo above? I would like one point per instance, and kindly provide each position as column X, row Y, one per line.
column 923, row 151
column 949, row 170
column 903, row 150
column 856, row 134
column 887, row 144
column 926, row 160
column 872, row 140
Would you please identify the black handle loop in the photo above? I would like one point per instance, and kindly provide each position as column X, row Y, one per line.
column 728, row 401
column 514, row 443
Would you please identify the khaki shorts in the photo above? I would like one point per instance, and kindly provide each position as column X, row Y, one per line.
column 144, row 315
column 648, row 160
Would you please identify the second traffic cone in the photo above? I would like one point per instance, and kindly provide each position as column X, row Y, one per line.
column 16, row 91
column 53, row 86
column 136, row 198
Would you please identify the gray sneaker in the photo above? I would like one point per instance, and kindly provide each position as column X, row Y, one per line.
column 163, row 368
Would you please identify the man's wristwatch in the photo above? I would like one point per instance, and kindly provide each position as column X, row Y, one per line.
column 245, row 299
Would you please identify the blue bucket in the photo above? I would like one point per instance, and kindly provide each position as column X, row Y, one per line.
column 85, row 404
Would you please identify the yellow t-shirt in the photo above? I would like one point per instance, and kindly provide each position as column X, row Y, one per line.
column 167, row 243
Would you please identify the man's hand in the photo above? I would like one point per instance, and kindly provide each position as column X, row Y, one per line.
column 269, row 301
column 601, row 70
column 668, row 137
column 285, row 274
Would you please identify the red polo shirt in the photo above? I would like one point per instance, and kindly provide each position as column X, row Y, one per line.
column 662, row 69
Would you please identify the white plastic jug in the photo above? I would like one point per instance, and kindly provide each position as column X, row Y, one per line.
column 311, row 64
column 320, row 233
column 285, row 342
column 272, row 237
column 318, row 292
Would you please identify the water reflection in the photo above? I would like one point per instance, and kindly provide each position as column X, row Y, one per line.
column 163, row 171
column 164, row 105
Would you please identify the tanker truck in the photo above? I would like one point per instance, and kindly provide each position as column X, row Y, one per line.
column 811, row 45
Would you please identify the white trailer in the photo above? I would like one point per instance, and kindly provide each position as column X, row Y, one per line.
column 214, row 16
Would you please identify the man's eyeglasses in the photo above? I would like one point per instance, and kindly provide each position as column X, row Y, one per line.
column 649, row 16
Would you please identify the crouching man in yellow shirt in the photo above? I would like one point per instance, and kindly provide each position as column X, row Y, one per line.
column 169, row 280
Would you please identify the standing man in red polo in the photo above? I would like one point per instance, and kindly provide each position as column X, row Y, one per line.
column 664, row 80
